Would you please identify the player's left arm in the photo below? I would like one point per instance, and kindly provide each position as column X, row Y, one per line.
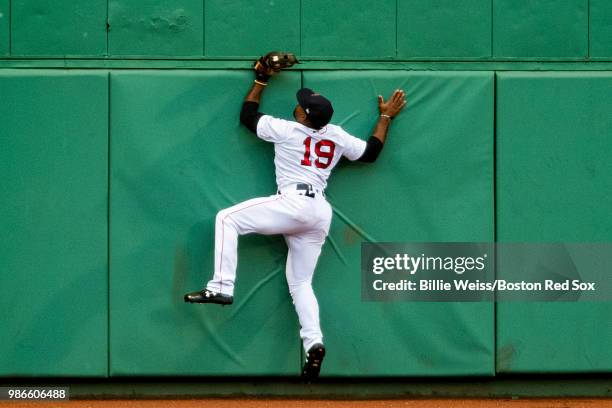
column 388, row 110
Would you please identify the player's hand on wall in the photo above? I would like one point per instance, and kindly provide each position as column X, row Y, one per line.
column 393, row 105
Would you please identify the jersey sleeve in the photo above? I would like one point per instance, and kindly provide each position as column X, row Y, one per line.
column 272, row 129
column 353, row 147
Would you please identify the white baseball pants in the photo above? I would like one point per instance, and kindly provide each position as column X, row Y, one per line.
column 304, row 222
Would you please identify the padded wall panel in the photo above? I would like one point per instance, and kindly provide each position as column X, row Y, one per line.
column 444, row 28
column 543, row 28
column 251, row 28
column 432, row 182
column 151, row 27
column 554, row 178
column 601, row 28
column 53, row 218
column 58, row 27
column 179, row 155
column 349, row 28
column 5, row 23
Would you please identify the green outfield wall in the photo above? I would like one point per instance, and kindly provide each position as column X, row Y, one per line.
column 120, row 141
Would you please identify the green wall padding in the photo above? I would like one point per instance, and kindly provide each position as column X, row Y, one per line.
column 542, row 28
column 53, row 218
column 432, row 182
column 554, row 178
column 58, row 28
column 5, row 23
column 179, row 155
column 155, row 28
column 251, row 28
column 444, row 28
column 600, row 28
column 348, row 28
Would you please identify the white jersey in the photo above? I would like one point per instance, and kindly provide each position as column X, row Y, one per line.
column 305, row 155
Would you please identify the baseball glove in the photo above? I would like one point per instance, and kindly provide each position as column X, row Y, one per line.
column 272, row 63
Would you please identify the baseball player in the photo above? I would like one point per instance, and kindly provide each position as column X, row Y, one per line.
column 306, row 150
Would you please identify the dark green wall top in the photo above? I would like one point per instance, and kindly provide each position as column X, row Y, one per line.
column 171, row 28
column 601, row 28
column 540, row 29
column 4, row 27
column 441, row 28
column 239, row 28
column 50, row 28
column 549, row 30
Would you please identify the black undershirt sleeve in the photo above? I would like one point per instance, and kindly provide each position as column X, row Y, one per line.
column 249, row 115
column 373, row 149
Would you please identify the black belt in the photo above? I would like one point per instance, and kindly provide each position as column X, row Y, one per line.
column 307, row 189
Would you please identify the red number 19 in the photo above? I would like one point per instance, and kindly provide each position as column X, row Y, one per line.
column 327, row 154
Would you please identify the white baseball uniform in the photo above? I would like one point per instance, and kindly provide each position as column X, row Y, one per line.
column 303, row 156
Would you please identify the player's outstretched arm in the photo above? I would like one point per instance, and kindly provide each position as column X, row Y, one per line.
column 265, row 67
column 250, row 115
column 388, row 110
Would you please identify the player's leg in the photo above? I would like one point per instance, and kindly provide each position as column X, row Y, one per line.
column 304, row 251
column 266, row 215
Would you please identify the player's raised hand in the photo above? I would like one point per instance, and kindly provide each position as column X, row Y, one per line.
column 272, row 63
column 393, row 106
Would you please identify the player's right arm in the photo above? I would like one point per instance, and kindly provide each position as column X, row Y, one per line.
column 388, row 110
column 250, row 115
column 264, row 126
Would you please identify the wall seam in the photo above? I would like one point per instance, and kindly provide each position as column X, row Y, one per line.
column 588, row 29
column 308, row 65
column 492, row 28
column 301, row 32
column 108, row 232
column 203, row 28
column 396, row 29
column 10, row 27
column 107, row 27
column 495, row 237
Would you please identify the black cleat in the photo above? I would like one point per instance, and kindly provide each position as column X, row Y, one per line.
column 208, row 296
column 314, row 359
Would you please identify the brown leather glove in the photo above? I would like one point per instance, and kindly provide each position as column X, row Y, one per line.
column 272, row 63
